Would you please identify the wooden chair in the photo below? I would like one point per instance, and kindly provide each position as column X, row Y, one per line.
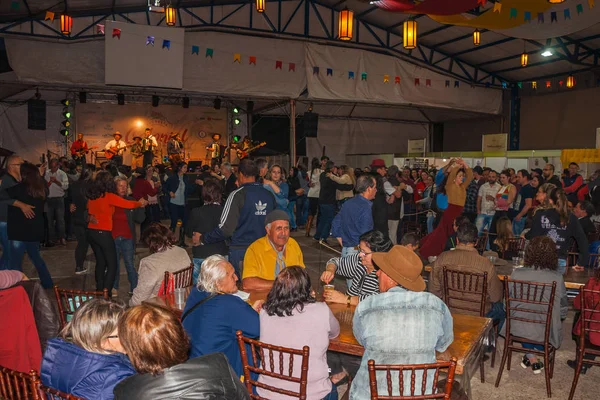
column 182, row 278
column 588, row 325
column 593, row 262
column 513, row 246
column 466, row 293
column 482, row 242
column 263, row 353
column 403, row 381
column 18, row 385
column 45, row 392
column 530, row 295
column 70, row 300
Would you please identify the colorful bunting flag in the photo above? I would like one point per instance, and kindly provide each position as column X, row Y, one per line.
column 456, row 83
column 497, row 7
column 100, row 29
column 527, row 15
column 553, row 17
column 15, row 5
column 591, row 3
column 196, row 50
column 520, row 85
column 397, row 80
column 350, row 74
column 417, row 82
column 513, row 13
column 560, row 83
column 534, row 85
column 540, row 18
column 548, row 84
column 278, row 64
column 447, row 84
column 481, row 2
column 237, row 57
column 567, row 14
column 579, row 8
column 209, row 53
column 386, row 79
column 150, row 40
column 252, row 60
column 363, row 76
column 329, row 72
column 116, row 33
column 292, row 67
column 504, row 85
column 50, row 16
column 427, row 82
column 166, row 44
column 487, row 85
column 315, row 70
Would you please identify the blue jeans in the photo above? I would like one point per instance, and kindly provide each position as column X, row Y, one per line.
column 518, row 226
column 197, row 266
column 5, row 259
column 326, row 212
column 18, row 249
column 290, row 211
column 177, row 212
column 236, row 256
column 333, row 395
column 430, row 220
column 497, row 313
column 126, row 248
column 484, row 221
column 301, row 210
column 530, row 346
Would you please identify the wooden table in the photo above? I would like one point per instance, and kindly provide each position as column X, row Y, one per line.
column 573, row 279
column 469, row 331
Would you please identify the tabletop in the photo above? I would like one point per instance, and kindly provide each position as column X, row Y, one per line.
column 469, row 331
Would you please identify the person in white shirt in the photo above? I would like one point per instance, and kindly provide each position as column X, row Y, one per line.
column 486, row 202
column 58, row 183
column 116, row 147
column 149, row 146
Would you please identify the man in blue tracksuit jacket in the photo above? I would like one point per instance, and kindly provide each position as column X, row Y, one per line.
column 243, row 217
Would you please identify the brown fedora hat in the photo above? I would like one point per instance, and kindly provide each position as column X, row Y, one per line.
column 403, row 266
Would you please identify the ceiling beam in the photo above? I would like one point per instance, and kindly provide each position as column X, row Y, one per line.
column 476, row 48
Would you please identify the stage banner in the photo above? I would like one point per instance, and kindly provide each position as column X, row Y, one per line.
column 195, row 125
column 494, row 142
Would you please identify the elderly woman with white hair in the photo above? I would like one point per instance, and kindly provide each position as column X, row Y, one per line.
column 213, row 313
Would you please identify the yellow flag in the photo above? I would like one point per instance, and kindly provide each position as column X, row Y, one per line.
column 386, row 78
column 498, row 7
column 237, row 57
column 591, row 3
column 49, row 16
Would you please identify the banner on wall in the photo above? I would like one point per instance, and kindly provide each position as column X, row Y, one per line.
column 494, row 142
column 417, row 146
column 195, row 125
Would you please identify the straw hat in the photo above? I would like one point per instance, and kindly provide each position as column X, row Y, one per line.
column 403, row 266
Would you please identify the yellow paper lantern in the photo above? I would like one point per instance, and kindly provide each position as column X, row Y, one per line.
column 570, row 81
column 524, row 59
column 345, row 24
column 556, row 1
column 260, row 5
column 410, row 34
column 476, row 37
column 66, row 23
column 170, row 15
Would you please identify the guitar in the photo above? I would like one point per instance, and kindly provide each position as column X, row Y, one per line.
column 244, row 153
column 79, row 153
column 113, row 151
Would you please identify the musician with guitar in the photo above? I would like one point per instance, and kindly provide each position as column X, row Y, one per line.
column 137, row 156
column 175, row 149
column 79, row 149
column 115, row 148
column 149, row 146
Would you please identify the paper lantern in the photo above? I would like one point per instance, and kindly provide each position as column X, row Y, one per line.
column 66, row 23
column 556, row 1
column 570, row 81
column 345, row 24
column 170, row 16
column 260, row 5
column 524, row 59
column 410, row 34
column 476, row 37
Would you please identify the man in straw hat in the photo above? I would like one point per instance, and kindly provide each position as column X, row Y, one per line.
column 402, row 325
column 116, row 147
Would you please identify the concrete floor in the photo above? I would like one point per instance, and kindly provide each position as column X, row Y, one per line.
column 516, row 384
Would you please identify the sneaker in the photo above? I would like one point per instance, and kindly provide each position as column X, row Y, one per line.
column 115, row 292
column 50, row 244
column 573, row 364
column 525, row 363
column 537, row 367
column 62, row 242
column 80, row 271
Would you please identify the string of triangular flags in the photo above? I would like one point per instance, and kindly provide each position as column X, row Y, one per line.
column 514, row 12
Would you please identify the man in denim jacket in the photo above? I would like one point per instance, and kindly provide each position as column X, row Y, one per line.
column 402, row 325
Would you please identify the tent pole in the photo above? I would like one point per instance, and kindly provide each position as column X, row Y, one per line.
column 292, row 133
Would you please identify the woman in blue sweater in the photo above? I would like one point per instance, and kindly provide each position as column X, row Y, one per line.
column 213, row 313
column 87, row 359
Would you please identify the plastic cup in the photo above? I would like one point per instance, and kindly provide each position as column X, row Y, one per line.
column 179, row 295
column 327, row 288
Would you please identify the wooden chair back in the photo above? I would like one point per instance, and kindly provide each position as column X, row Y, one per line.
column 263, row 353
column 403, row 382
column 18, row 385
column 514, row 245
column 593, row 261
column 45, row 392
column 465, row 291
column 70, row 300
column 182, row 278
column 482, row 242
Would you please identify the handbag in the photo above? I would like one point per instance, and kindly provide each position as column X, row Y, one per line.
column 170, row 286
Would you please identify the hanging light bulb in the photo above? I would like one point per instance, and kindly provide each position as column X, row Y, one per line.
column 476, row 37
column 570, row 81
column 410, row 34
column 345, row 24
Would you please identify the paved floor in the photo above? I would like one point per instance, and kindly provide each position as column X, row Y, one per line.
column 516, row 384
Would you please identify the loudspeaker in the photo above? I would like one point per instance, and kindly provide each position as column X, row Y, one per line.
column 192, row 164
column 82, row 97
column 437, row 138
column 310, row 124
column 36, row 115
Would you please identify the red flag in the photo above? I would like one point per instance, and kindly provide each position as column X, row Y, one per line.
column 427, row 82
column 292, row 67
column 117, row 33
column 397, row 80
column 417, row 82
column 278, row 64
column 252, row 60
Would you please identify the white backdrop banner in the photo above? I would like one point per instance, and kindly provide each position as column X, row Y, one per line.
column 334, row 73
column 195, row 125
column 223, row 63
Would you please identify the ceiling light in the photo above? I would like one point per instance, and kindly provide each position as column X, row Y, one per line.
column 547, row 53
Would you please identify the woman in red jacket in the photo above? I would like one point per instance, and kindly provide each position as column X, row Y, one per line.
column 101, row 206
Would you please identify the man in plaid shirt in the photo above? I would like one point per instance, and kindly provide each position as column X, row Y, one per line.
column 470, row 209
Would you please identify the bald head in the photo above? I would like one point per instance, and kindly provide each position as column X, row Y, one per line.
column 14, row 166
